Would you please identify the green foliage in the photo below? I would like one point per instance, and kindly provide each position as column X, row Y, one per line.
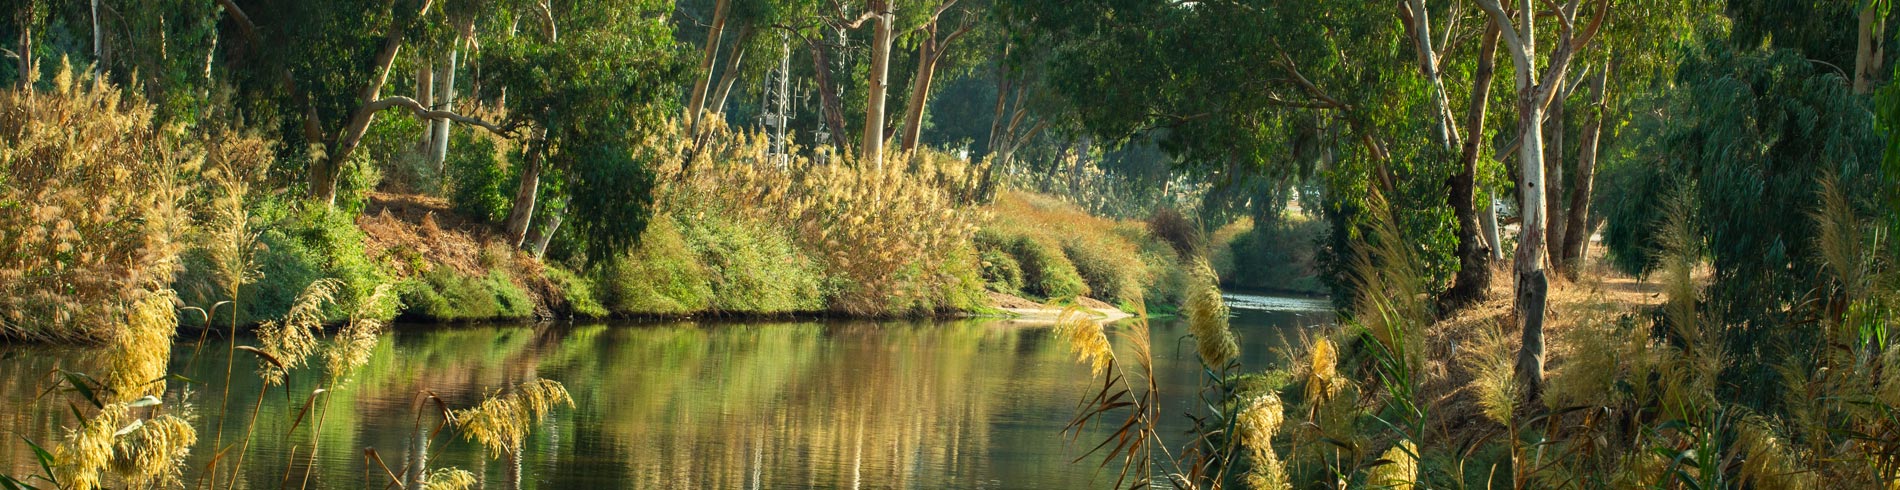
column 577, row 292
column 661, row 276
column 1000, row 270
column 752, row 267
column 1277, row 257
column 480, row 184
column 1749, row 134
column 1112, row 274
column 444, row 295
column 1047, row 273
column 300, row 244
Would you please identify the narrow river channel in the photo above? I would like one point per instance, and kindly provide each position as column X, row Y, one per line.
column 708, row 404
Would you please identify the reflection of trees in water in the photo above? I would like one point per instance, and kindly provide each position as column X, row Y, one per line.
column 731, row 406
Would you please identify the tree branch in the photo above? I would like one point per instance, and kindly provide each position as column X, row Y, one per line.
column 505, row 129
column 243, row 21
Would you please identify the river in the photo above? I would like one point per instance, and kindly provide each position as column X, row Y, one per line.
column 707, row 404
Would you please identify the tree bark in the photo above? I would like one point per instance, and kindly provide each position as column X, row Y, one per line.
column 1489, row 218
column 1582, row 182
column 516, row 227
column 1474, row 254
column 697, row 102
column 539, row 238
column 1554, row 179
column 872, row 144
column 731, row 73
column 28, row 74
column 439, row 153
column 425, row 93
column 1533, row 94
column 829, row 104
column 324, row 172
column 920, row 91
column 1867, row 56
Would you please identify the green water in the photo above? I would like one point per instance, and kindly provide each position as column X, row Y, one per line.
column 939, row 404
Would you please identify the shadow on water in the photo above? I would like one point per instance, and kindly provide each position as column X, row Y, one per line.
column 965, row 404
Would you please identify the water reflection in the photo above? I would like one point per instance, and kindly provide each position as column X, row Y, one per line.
column 965, row 404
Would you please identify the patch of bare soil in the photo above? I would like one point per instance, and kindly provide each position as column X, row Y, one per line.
column 1006, row 300
column 414, row 234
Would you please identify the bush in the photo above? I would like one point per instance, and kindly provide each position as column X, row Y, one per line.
column 577, row 293
column 1000, row 270
column 301, row 244
column 1279, row 257
column 661, row 276
column 89, row 208
column 1182, row 235
column 753, row 268
column 1113, row 274
column 1046, row 272
column 480, row 181
column 443, row 295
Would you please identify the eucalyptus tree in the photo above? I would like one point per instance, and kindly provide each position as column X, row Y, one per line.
column 1535, row 88
column 596, row 81
column 321, row 70
column 935, row 36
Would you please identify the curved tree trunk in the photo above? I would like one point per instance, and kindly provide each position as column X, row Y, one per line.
column 516, row 227
column 1474, row 253
column 697, row 102
column 731, row 72
column 1581, row 184
column 829, row 105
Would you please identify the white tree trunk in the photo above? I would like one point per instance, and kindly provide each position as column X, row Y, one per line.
column 873, row 141
column 440, row 131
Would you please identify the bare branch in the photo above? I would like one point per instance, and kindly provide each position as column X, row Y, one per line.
column 507, row 128
column 243, row 21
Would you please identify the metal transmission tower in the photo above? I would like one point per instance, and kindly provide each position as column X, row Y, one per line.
column 778, row 103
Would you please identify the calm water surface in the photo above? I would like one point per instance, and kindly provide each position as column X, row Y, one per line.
column 942, row 404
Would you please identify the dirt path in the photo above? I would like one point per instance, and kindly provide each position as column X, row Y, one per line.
column 1025, row 311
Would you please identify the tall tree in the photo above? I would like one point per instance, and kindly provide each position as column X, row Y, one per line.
column 872, row 143
column 1534, row 91
column 930, row 53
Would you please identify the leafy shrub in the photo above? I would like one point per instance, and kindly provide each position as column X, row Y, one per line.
column 1113, row 273
column 1046, row 272
column 753, row 268
column 577, row 292
column 443, row 295
column 90, row 209
column 1172, row 228
column 480, row 182
column 1000, row 270
column 661, row 276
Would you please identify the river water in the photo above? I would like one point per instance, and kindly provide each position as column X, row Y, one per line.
column 709, row 404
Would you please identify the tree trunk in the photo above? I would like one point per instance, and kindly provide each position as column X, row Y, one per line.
column 698, row 100
column 872, row 144
column 1554, row 179
column 523, row 209
column 1867, row 56
column 440, row 152
column 1474, row 254
column 731, row 73
column 324, row 171
column 27, row 73
column 1428, row 67
column 829, row 104
column 539, row 238
column 425, row 93
column 1581, row 183
column 1489, row 218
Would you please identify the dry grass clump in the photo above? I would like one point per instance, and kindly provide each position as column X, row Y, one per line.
column 1259, row 421
column 138, row 355
column 289, row 341
column 1207, row 320
column 90, row 205
column 894, row 242
column 146, row 453
column 449, row 479
column 501, row 423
